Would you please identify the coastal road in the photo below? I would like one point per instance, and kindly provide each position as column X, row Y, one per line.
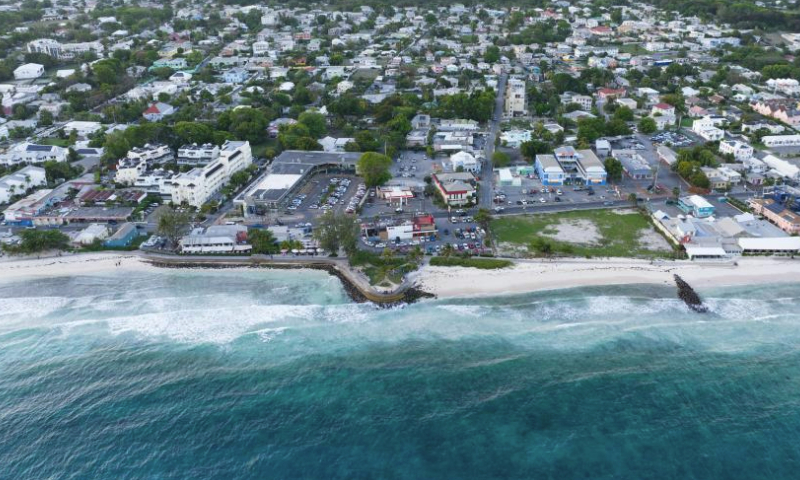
column 487, row 174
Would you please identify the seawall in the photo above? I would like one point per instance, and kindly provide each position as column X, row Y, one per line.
column 357, row 287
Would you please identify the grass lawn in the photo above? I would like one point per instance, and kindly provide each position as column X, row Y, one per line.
column 481, row 263
column 590, row 233
column 58, row 142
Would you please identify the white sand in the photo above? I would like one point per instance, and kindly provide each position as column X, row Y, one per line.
column 581, row 232
column 534, row 275
column 13, row 267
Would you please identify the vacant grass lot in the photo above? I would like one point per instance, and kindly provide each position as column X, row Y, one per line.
column 591, row 233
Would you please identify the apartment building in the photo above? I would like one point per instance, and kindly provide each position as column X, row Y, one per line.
column 198, row 185
column 515, row 103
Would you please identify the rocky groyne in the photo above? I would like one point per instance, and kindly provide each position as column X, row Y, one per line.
column 689, row 296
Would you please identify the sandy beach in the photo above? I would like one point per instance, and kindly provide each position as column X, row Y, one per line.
column 524, row 276
column 536, row 275
column 50, row 265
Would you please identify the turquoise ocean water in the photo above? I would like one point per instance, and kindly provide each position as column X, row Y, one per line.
column 277, row 375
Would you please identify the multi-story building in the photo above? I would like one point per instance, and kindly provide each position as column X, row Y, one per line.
column 59, row 50
column 548, row 170
column 195, row 154
column 152, row 153
column 785, row 219
column 198, row 185
column 740, row 150
column 515, row 103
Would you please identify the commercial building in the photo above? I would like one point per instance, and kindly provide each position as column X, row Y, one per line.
column 287, row 173
column 456, row 188
column 590, row 168
column 548, row 170
column 696, row 205
column 217, row 239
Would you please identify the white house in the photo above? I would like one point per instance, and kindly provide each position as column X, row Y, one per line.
column 26, row 152
column 157, row 111
column 782, row 167
column 29, row 71
column 331, row 144
column 465, row 161
column 83, row 129
column 740, row 150
column 20, row 181
column 781, row 140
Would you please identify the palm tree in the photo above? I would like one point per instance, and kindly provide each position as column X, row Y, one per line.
column 633, row 199
column 447, row 250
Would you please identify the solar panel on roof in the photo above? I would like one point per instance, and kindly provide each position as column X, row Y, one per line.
column 39, row 148
column 775, row 207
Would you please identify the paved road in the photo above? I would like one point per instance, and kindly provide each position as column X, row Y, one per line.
column 487, row 175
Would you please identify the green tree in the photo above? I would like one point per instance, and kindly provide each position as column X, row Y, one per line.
column 35, row 241
column 374, row 167
column 314, row 122
column 613, row 169
column 263, row 241
column 45, row 118
column 492, row 54
column 647, row 125
column 484, row 218
column 500, row 159
column 172, row 224
column 56, row 171
column 337, row 231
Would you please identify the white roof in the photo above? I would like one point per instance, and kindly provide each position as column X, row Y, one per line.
column 700, row 202
column 774, row 243
column 278, row 181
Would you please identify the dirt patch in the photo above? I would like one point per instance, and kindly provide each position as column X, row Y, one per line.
column 624, row 211
column 581, row 232
column 652, row 240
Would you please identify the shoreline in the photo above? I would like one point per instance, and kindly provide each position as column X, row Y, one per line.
column 526, row 276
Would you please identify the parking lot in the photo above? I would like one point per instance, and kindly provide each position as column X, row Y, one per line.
column 411, row 168
column 339, row 192
column 459, row 231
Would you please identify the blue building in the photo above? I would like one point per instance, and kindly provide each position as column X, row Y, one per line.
column 548, row 170
column 696, row 205
column 123, row 237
